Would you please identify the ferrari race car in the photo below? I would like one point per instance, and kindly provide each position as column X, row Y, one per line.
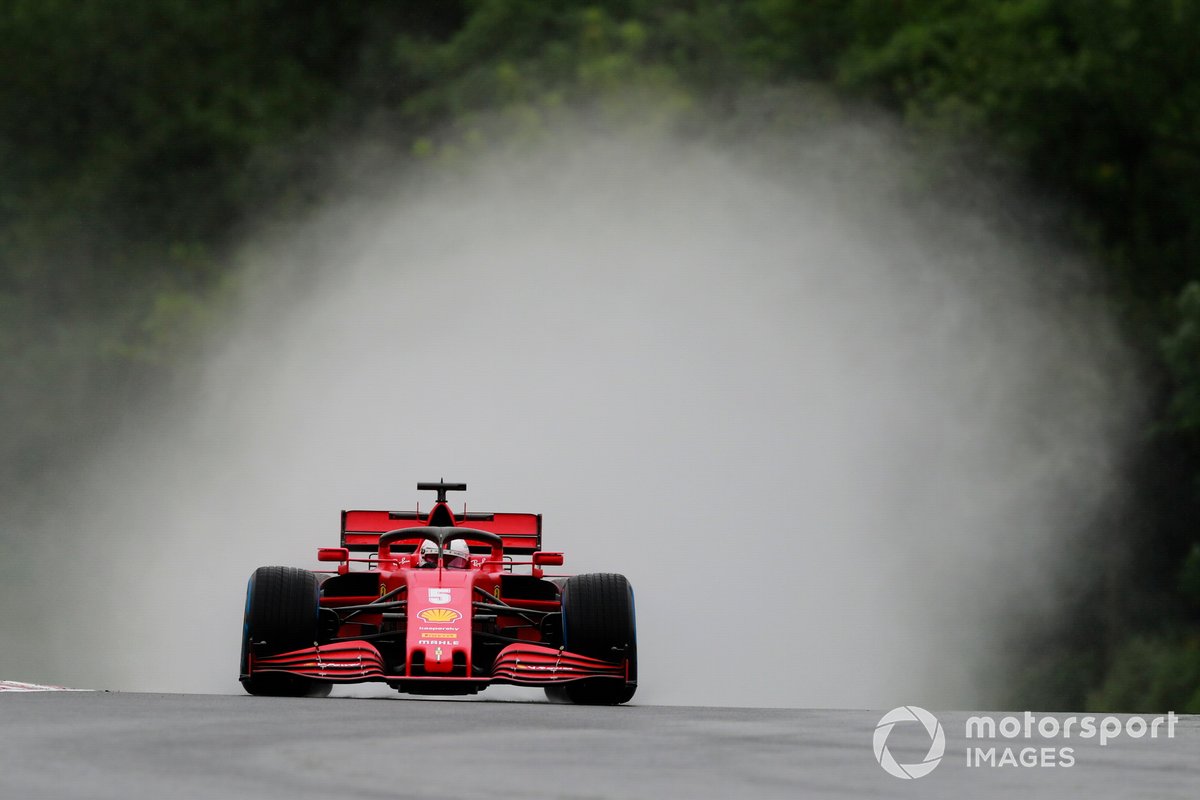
column 440, row 605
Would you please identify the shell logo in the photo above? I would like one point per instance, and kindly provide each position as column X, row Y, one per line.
column 439, row 615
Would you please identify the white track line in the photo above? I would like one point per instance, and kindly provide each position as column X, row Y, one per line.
column 17, row 686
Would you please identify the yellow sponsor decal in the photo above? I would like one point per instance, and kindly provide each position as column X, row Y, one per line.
column 439, row 615
column 439, row 635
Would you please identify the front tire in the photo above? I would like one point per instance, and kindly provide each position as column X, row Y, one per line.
column 281, row 615
column 598, row 620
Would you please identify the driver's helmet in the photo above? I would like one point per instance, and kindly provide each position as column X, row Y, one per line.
column 458, row 555
column 428, row 554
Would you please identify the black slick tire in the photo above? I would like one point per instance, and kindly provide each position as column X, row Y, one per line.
column 281, row 615
column 599, row 620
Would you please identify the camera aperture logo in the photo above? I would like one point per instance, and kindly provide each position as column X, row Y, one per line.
column 937, row 745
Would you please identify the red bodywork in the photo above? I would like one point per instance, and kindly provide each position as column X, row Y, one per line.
column 437, row 630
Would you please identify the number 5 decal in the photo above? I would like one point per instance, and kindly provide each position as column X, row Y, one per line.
column 439, row 596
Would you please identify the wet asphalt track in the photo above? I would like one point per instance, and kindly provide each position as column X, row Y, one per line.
column 175, row 747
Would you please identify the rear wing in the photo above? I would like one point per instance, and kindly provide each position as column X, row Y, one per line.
column 522, row 533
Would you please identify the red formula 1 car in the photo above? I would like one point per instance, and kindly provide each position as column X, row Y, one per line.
column 440, row 608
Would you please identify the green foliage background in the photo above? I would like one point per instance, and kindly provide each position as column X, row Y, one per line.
column 138, row 139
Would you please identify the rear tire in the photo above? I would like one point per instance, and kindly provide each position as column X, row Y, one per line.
column 281, row 615
column 598, row 620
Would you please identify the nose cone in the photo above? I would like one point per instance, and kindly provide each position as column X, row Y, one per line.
column 439, row 619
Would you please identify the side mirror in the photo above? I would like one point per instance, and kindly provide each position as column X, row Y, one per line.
column 541, row 559
column 332, row 554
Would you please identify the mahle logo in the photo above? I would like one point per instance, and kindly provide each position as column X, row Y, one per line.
column 937, row 746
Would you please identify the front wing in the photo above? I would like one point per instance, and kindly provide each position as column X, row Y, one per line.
column 520, row 664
